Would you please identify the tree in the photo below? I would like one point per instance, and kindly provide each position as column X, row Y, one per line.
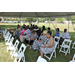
column 60, row 20
column 30, row 20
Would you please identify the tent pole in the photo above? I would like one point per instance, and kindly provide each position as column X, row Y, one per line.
column 68, row 23
column 38, row 21
column 49, row 22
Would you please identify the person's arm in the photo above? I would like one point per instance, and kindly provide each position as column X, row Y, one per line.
column 51, row 44
column 33, row 39
column 39, row 40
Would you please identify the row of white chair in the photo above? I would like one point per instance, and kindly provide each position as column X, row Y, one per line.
column 14, row 48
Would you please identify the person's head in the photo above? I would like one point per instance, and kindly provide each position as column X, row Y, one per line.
column 48, row 28
column 24, row 27
column 44, row 32
column 65, row 30
column 33, row 32
column 48, row 34
column 39, row 28
column 57, row 29
column 43, row 27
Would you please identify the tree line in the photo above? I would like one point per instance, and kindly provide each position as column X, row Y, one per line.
column 40, row 19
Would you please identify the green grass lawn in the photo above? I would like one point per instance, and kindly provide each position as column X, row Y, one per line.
column 30, row 54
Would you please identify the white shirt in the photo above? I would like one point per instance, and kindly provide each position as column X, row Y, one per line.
column 28, row 32
column 66, row 35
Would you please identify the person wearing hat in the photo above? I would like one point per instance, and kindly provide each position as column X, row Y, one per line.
column 49, row 47
column 30, row 40
column 37, row 43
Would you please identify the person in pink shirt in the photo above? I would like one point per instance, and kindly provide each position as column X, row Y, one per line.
column 22, row 32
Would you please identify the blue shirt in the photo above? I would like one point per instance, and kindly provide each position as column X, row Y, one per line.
column 0, row 30
column 58, row 35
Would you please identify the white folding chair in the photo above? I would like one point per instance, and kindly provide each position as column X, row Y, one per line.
column 65, row 45
column 10, row 41
column 53, row 52
column 58, row 38
column 41, row 59
column 6, row 39
column 20, row 54
column 4, row 32
column 7, row 35
column 73, row 46
column 73, row 60
column 14, row 47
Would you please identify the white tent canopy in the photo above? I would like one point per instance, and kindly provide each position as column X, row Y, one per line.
column 36, row 14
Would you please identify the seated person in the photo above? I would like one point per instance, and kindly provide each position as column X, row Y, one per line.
column 42, row 39
column 57, row 34
column 17, row 33
column 49, row 30
column 4, row 27
column 39, row 32
column 49, row 47
column 22, row 32
column 17, row 29
column 31, row 39
column 26, row 35
column 65, row 36
column 36, row 27
column 43, row 28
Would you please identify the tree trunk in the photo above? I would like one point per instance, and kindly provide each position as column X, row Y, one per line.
column 30, row 22
column 56, row 22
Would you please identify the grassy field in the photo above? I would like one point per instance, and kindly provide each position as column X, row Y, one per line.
column 30, row 54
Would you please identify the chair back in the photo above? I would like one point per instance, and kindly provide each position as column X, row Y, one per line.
column 16, row 44
column 22, row 48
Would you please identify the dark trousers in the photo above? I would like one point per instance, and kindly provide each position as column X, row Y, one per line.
column 60, row 41
column 29, row 42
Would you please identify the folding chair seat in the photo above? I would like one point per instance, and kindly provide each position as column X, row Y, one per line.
column 73, row 46
column 65, row 45
column 20, row 54
column 41, row 59
column 53, row 52
column 73, row 60
column 10, row 41
column 14, row 47
column 58, row 38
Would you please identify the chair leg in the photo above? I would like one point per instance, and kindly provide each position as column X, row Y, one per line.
column 15, row 59
column 19, row 59
column 23, row 59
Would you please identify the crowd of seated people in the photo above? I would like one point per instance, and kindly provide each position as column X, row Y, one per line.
column 36, row 39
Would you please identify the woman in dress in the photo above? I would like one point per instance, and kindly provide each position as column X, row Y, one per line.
column 22, row 32
column 37, row 43
column 31, row 39
column 49, row 47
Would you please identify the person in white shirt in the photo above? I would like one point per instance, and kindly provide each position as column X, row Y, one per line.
column 65, row 36
column 26, row 35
